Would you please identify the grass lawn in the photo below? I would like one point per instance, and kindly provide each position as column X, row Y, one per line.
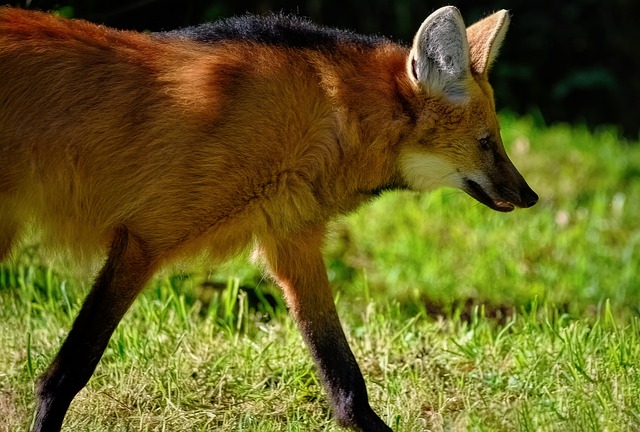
column 461, row 318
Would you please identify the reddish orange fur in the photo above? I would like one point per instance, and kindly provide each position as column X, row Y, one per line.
column 168, row 110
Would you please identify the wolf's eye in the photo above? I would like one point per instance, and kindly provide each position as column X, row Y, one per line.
column 485, row 143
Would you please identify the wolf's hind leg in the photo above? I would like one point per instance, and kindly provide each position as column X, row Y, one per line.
column 128, row 267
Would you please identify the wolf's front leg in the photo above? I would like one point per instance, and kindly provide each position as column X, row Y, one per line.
column 296, row 263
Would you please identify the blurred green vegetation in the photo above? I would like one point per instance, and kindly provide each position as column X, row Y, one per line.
column 573, row 61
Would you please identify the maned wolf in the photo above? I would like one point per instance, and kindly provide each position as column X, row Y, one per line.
column 255, row 130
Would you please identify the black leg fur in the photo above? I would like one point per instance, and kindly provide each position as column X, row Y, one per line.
column 120, row 280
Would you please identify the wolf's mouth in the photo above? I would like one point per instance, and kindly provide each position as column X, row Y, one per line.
column 477, row 192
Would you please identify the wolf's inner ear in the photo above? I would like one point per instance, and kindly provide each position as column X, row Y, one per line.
column 439, row 58
column 485, row 38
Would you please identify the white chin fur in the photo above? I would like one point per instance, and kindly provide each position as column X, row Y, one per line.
column 424, row 172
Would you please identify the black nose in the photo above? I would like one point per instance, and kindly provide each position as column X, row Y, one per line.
column 529, row 197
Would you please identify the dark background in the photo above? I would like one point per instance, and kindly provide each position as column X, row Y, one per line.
column 576, row 61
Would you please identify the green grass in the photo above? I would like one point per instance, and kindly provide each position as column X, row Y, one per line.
column 461, row 318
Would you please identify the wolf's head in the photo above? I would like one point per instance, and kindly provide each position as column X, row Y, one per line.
column 456, row 141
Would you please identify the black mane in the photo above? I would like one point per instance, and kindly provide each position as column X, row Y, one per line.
column 275, row 29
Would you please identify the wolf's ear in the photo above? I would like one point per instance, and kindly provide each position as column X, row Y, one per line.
column 485, row 38
column 439, row 58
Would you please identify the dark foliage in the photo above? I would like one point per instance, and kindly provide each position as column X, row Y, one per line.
column 570, row 61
